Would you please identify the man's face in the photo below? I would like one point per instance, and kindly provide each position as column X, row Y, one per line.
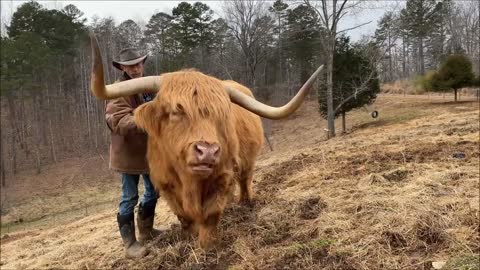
column 134, row 71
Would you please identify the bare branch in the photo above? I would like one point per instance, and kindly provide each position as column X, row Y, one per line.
column 338, row 15
column 355, row 27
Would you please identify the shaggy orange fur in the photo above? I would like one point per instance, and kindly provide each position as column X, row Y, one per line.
column 191, row 107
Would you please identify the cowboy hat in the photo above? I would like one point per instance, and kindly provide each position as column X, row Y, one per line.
column 128, row 57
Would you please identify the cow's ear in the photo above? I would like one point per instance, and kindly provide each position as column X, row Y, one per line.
column 147, row 117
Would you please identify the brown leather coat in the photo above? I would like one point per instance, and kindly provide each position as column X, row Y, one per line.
column 128, row 147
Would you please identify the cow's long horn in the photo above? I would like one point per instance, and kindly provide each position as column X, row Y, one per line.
column 120, row 89
column 266, row 111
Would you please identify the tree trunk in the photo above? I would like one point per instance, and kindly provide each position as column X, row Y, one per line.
column 2, row 164
column 41, row 120
column 14, row 132
column 39, row 162
column 49, row 116
column 24, row 123
column 404, row 63
column 63, row 120
column 455, row 90
column 52, row 141
column 390, row 69
column 87, row 108
column 330, row 112
column 280, row 59
column 2, row 171
column 14, row 155
column 420, row 55
column 344, row 125
column 85, row 93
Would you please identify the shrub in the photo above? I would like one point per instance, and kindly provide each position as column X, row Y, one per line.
column 456, row 72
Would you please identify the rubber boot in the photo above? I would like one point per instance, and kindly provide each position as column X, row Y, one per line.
column 145, row 217
column 133, row 249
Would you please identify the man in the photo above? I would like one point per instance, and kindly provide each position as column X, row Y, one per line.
column 128, row 156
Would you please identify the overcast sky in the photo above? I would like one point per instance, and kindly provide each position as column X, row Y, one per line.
column 143, row 10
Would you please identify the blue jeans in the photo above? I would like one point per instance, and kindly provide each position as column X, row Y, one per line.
column 129, row 197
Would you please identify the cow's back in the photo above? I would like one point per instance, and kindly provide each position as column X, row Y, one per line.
column 249, row 130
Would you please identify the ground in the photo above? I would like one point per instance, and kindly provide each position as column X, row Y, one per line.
column 397, row 192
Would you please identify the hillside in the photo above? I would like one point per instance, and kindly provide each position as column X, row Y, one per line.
column 397, row 192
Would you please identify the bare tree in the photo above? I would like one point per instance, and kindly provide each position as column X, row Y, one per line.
column 251, row 27
column 465, row 26
column 330, row 12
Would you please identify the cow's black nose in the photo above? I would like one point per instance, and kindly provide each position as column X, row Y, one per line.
column 207, row 152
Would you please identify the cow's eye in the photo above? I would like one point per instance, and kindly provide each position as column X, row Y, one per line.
column 177, row 114
column 179, row 108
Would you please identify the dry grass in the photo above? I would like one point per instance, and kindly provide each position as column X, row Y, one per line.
column 395, row 193
column 399, row 87
column 408, row 87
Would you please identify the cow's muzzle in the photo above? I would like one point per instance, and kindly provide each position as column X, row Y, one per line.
column 206, row 157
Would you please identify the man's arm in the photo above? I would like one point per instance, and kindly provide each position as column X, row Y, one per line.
column 119, row 116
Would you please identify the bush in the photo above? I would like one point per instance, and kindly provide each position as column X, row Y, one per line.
column 424, row 83
column 476, row 81
column 352, row 67
column 456, row 72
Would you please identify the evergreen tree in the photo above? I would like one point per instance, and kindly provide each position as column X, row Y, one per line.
column 455, row 73
column 192, row 34
column 385, row 36
column 279, row 9
column 159, row 42
column 355, row 81
column 302, row 39
column 129, row 35
column 419, row 19
column 192, row 25
column 74, row 13
column 38, row 60
column 56, row 33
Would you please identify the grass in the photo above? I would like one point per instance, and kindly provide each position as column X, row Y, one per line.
column 314, row 244
column 388, row 195
column 467, row 262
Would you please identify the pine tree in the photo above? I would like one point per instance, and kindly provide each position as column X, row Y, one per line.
column 192, row 32
column 129, row 35
column 419, row 19
column 159, row 42
column 456, row 72
column 38, row 60
column 303, row 37
column 279, row 9
column 385, row 36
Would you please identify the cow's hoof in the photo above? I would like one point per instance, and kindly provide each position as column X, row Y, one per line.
column 207, row 244
column 250, row 203
column 185, row 223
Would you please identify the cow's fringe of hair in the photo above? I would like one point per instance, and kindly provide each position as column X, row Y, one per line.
column 182, row 88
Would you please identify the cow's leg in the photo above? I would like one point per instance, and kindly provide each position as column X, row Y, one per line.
column 185, row 222
column 208, row 230
column 245, row 182
column 175, row 202
column 215, row 198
